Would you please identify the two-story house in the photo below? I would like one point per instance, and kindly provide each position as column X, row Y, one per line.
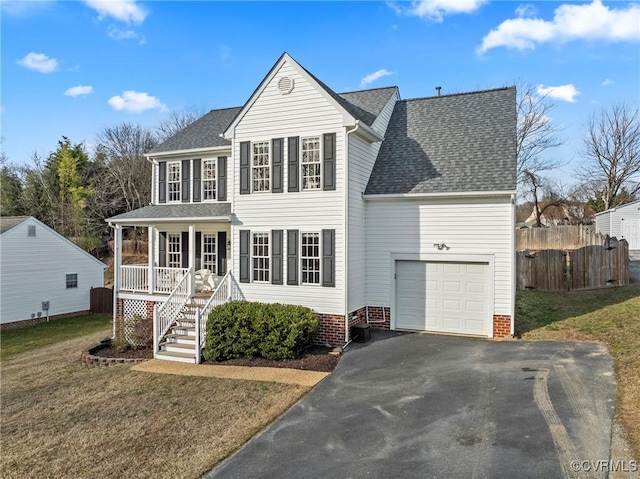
column 362, row 206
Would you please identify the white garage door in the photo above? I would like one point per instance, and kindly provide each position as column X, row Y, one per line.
column 631, row 232
column 442, row 297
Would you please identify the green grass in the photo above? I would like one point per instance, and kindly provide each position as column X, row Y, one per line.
column 610, row 316
column 19, row 340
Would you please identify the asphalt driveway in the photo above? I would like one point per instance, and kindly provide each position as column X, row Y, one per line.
column 418, row 406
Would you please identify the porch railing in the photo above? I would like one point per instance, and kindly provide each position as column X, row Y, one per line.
column 135, row 277
column 227, row 290
column 169, row 311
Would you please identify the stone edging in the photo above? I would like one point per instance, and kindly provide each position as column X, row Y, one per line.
column 87, row 358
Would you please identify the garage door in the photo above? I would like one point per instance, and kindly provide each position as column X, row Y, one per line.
column 442, row 297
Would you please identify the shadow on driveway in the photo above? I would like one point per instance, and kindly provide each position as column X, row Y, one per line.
column 418, row 405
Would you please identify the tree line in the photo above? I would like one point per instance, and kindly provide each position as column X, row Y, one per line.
column 73, row 190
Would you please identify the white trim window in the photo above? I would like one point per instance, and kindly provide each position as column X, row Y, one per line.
column 260, row 257
column 174, row 250
column 173, row 180
column 209, row 251
column 311, row 165
column 71, row 280
column 310, row 258
column 260, row 165
column 209, row 179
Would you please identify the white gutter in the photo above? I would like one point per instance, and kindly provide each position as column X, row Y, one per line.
column 182, row 219
column 163, row 154
column 346, row 233
column 461, row 194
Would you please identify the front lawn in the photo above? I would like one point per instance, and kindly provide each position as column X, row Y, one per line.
column 19, row 340
column 62, row 420
column 611, row 316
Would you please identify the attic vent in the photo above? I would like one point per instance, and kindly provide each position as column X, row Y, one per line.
column 285, row 85
column 31, row 230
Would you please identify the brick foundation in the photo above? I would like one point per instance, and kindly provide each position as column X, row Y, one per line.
column 42, row 319
column 501, row 326
column 331, row 330
column 119, row 318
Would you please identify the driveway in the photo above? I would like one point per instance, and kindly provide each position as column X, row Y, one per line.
column 419, row 406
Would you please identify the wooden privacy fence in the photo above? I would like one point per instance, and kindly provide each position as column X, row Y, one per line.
column 589, row 267
column 101, row 300
column 559, row 237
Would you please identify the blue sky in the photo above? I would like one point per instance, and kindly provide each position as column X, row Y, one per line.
column 74, row 67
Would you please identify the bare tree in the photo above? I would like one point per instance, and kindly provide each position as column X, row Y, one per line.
column 612, row 156
column 535, row 134
column 544, row 194
column 176, row 121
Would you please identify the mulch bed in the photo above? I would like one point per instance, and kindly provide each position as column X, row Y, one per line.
column 316, row 358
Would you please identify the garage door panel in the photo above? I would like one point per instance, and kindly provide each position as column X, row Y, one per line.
column 443, row 296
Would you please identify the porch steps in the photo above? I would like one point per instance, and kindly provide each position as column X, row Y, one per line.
column 179, row 344
column 175, row 356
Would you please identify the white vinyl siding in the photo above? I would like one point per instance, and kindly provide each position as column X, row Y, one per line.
column 209, row 251
column 173, row 180
column 621, row 222
column 472, row 227
column 209, row 179
column 35, row 269
column 310, row 258
column 310, row 161
column 303, row 113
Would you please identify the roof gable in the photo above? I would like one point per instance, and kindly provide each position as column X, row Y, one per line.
column 459, row 143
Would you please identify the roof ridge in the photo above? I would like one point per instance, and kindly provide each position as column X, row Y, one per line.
column 369, row 89
column 474, row 92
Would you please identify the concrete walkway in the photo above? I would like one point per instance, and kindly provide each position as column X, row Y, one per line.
column 412, row 405
column 276, row 375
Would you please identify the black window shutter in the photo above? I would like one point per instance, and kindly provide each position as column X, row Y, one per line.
column 184, row 249
column 328, row 257
column 244, row 256
column 186, row 197
column 329, row 162
column 245, row 177
column 162, row 182
column 221, row 256
column 292, row 257
column 162, row 250
column 276, row 165
column 222, row 178
column 292, row 164
column 197, row 177
column 198, row 250
column 276, row 257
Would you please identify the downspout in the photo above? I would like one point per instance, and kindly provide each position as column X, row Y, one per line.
column 346, row 235
column 513, row 269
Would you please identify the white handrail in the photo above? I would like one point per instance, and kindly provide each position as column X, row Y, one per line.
column 170, row 310
column 227, row 290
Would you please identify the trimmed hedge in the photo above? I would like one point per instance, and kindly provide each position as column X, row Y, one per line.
column 241, row 329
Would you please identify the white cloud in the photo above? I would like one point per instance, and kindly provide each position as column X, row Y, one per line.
column 127, row 11
column 592, row 21
column 436, row 10
column 135, row 102
column 371, row 77
column 79, row 90
column 607, row 82
column 21, row 8
column 526, row 10
column 39, row 62
column 566, row 92
column 128, row 34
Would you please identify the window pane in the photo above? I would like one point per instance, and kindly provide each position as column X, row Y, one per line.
column 260, row 257
column 173, row 180
column 260, row 166
column 311, row 163
column 209, row 179
column 310, row 258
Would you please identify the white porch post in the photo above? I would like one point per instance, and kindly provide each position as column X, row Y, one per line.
column 151, row 255
column 192, row 258
column 117, row 264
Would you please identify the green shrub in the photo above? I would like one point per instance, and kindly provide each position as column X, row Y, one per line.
column 242, row 329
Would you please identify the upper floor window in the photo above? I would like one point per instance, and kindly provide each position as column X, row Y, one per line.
column 209, row 179
column 261, row 257
column 260, row 165
column 311, row 163
column 310, row 258
column 173, row 180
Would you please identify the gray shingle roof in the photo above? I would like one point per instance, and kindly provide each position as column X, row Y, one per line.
column 8, row 222
column 174, row 211
column 454, row 143
column 202, row 133
column 366, row 105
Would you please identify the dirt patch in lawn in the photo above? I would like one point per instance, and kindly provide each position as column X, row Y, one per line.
column 62, row 420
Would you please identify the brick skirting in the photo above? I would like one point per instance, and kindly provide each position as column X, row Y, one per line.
column 501, row 326
column 88, row 359
column 42, row 319
column 331, row 330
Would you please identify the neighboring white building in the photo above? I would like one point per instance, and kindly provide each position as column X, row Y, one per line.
column 39, row 267
column 623, row 222
column 360, row 205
